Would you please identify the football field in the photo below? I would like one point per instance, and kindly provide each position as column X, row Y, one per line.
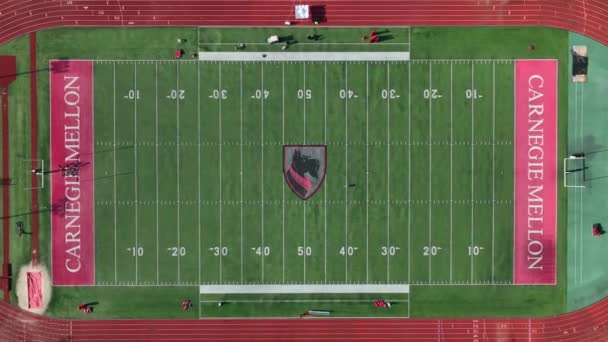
column 190, row 186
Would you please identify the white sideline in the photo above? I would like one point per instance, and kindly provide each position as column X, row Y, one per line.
column 303, row 56
column 305, row 288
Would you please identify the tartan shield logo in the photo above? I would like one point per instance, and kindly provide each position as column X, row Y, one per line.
column 304, row 168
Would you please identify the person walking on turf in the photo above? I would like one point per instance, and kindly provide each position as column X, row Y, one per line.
column 186, row 304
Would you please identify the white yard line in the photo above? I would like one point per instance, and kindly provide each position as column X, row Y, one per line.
column 220, row 162
column 346, row 175
column 388, row 167
column 366, row 171
column 304, row 204
column 283, row 183
column 472, row 165
column 241, row 162
column 178, row 171
column 114, row 163
column 198, row 125
column 430, row 169
column 135, row 167
column 156, row 148
column 262, row 105
column 451, row 166
column 409, row 170
column 576, row 243
column 325, row 188
column 493, row 160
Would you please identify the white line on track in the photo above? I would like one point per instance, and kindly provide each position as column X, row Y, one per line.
column 472, row 164
column 114, row 157
column 367, row 171
column 388, row 167
column 430, row 169
column 241, row 162
column 198, row 125
column 135, row 167
column 156, row 150
column 262, row 182
column 178, row 171
column 451, row 166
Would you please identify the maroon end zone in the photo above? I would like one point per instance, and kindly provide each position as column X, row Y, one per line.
column 72, row 222
column 535, row 172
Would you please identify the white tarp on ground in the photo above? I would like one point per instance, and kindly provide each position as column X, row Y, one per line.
column 303, row 56
column 306, row 288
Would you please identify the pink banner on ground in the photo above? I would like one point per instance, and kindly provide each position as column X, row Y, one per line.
column 73, row 230
column 535, row 172
column 34, row 290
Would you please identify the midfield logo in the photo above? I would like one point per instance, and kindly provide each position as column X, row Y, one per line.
column 304, row 167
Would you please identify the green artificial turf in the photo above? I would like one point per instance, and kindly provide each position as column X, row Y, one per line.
column 417, row 151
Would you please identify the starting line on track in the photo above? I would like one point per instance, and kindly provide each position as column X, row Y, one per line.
column 305, row 288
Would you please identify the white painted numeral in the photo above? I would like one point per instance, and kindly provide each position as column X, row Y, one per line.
column 472, row 94
column 133, row 94
column 177, row 94
column 474, row 250
column 431, row 250
column 431, row 94
column 175, row 251
column 389, row 94
column 265, row 251
column 136, row 251
column 219, row 94
column 304, row 94
column 304, row 251
column 348, row 251
column 346, row 93
column 389, row 250
column 259, row 94
column 219, row 250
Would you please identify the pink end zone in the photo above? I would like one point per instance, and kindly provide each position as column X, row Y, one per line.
column 535, row 172
column 72, row 221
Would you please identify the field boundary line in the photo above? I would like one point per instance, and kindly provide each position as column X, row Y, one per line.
column 198, row 125
column 409, row 171
column 493, row 161
column 346, row 174
column 304, row 288
column 366, row 171
column 156, row 149
column 114, row 163
column 221, row 247
column 302, row 56
column 325, row 188
column 135, row 171
column 283, row 183
column 261, row 301
column 451, row 169
column 472, row 167
column 388, row 170
column 178, row 171
column 263, row 247
column 304, row 204
column 430, row 254
column 241, row 161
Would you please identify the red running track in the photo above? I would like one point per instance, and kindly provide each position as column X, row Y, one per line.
column 589, row 17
